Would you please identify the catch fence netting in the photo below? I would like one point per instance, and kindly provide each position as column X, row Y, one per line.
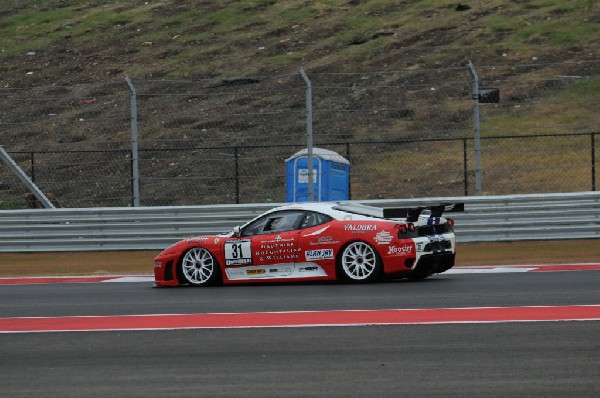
column 406, row 133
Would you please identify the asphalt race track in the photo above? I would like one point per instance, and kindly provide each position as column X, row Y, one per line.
column 442, row 356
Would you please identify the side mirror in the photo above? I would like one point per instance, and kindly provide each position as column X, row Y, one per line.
column 236, row 231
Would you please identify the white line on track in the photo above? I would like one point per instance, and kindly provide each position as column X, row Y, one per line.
column 129, row 279
column 494, row 270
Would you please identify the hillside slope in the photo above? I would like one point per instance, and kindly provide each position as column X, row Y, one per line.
column 80, row 41
column 222, row 104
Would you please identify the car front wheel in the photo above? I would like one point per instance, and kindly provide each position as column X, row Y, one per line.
column 359, row 262
column 199, row 267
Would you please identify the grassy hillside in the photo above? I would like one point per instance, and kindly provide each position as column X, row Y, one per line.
column 77, row 41
column 383, row 70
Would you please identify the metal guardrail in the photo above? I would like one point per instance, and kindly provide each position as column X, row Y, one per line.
column 486, row 219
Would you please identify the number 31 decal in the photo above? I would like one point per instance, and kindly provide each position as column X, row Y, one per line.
column 238, row 252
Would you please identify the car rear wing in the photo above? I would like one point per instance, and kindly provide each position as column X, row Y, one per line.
column 412, row 213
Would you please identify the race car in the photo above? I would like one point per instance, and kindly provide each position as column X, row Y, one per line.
column 317, row 241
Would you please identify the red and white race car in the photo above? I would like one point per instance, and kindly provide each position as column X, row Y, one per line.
column 317, row 241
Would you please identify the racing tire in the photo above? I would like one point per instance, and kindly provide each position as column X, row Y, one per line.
column 198, row 267
column 359, row 262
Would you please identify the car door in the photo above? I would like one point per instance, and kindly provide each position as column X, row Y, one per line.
column 266, row 248
column 319, row 245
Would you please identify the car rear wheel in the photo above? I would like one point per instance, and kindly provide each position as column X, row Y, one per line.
column 199, row 268
column 359, row 262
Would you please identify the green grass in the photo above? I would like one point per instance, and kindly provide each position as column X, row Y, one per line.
column 31, row 31
column 574, row 105
column 583, row 90
column 504, row 23
column 36, row 30
column 556, row 23
column 227, row 19
column 9, row 204
column 556, row 32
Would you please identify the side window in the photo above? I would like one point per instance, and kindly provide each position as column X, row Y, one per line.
column 312, row 219
column 272, row 223
column 255, row 228
column 289, row 221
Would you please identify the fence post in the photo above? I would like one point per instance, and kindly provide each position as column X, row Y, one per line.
column 309, row 135
column 593, row 161
column 135, row 171
column 350, row 174
column 475, row 96
column 237, row 176
column 465, row 167
column 32, row 158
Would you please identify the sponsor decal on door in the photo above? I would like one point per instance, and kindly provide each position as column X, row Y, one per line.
column 319, row 254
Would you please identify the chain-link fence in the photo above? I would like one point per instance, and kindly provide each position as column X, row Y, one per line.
column 406, row 133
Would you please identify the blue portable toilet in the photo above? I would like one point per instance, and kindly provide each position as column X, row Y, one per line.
column 331, row 173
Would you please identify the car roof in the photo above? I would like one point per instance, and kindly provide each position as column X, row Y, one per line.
column 337, row 210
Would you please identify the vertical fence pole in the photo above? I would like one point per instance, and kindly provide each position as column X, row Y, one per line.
column 475, row 96
column 135, row 171
column 593, row 162
column 350, row 173
column 237, row 176
column 465, row 166
column 309, row 135
column 32, row 156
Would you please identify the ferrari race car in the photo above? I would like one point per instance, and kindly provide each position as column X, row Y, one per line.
column 317, row 241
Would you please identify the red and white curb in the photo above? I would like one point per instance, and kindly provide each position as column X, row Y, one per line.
column 524, row 268
column 36, row 280
column 301, row 319
column 456, row 270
